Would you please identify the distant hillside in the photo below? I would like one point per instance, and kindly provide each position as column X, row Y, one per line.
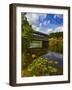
column 56, row 35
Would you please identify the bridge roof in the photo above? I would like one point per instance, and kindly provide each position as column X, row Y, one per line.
column 40, row 36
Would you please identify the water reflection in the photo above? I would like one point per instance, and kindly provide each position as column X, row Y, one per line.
column 54, row 56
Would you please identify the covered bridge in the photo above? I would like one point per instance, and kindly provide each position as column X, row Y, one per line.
column 38, row 45
column 39, row 40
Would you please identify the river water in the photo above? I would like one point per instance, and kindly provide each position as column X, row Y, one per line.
column 54, row 56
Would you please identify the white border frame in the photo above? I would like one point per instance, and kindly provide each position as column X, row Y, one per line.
column 63, row 77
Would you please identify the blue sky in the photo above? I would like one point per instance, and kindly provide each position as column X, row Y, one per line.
column 46, row 23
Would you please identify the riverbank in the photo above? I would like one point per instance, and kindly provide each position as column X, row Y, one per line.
column 48, row 64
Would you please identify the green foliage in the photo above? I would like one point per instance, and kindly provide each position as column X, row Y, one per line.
column 42, row 67
column 26, row 37
column 56, row 45
column 26, row 29
column 26, row 32
column 25, row 44
column 56, row 35
column 56, row 42
column 24, row 59
column 59, row 47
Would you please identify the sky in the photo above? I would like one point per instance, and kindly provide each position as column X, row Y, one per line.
column 46, row 23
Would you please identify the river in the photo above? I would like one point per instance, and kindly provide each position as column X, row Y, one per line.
column 54, row 56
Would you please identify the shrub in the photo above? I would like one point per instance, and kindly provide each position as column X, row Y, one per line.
column 42, row 66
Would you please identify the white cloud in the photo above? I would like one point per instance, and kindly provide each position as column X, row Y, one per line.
column 48, row 22
column 58, row 15
column 42, row 16
column 32, row 18
column 35, row 28
column 40, row 24
column 58, row 29
column 50, row 31
column 45, row 23
column 38, row 29
column 55, row 16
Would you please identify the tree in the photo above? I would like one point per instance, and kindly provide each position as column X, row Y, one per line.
column 56, row 42
column 56, row 35
column 26, row 37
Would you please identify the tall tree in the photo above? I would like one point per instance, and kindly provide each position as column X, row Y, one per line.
column 26, row 37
